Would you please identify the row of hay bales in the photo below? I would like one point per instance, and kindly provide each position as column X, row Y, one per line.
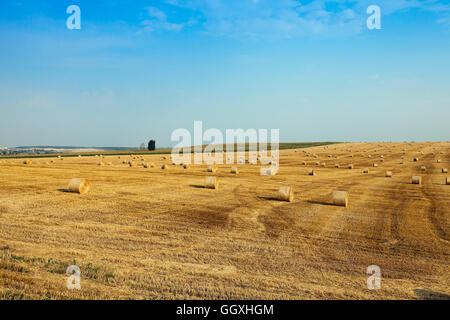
column 285, row 193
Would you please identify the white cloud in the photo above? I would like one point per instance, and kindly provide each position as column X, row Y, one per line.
column 290, row 18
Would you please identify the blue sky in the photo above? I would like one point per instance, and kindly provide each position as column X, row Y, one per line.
column 143, row 69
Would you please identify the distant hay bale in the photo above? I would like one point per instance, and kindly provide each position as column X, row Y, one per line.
column 131, row 164
column 152, row 165
column 312, row 172
column 285, row 194
column 145, row 165
column 416, row 180
column 303, row 163
column 317, row 163
column 375, row 165
column 401, row 162
column 447, row 181
column 78, row 185
column 416, row 159
column 164, row 167
column 336, row 165
column 350, row 166
column 381, row 160
column 438, row 161
column 79, row 156
column 340, row 198
column 234, row 170
column 212, row 168
column 388, row 174
column 423, row 168
column 323, row 164
column 186, row 166
column 109, row 163
column 211, row 183
column 444, row 170
column 28, row 161
column 366, row 170
column 101, row 163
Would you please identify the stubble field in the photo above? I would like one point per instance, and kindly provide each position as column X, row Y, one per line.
column 148, row 233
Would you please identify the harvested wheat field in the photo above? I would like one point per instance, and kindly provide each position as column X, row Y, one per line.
column 147, row 233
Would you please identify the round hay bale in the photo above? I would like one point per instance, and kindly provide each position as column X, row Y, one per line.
column 323, row 164
column 416, row 180
column 317, row 163
column 28, row 161
column 336, row 165
column 423, row 168
column 340, row 198
column 416, row 159
column 212, row 168
column 101, row 163
column 152, row 165
column 350, row 166
column 366, row 170
column 131, row 163
column 164, row 167
column 78, row 185
column 375, row 165
column 444, row 170
column 438, row 161
column 109, row 163
column 303, row 163
column 312, row 172
column 211, row 183
column 447, row 181
column 234, row 170
column 186, row 166
column 388, row 174
column 286, row 194
column 145, row 165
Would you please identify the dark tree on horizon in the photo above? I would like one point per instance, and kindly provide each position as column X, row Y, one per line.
column 151, row 145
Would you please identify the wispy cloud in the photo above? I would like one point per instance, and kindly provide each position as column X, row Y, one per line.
column 283, row 18
column 158, row 21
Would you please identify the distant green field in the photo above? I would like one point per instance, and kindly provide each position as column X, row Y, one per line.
column 282, row 146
